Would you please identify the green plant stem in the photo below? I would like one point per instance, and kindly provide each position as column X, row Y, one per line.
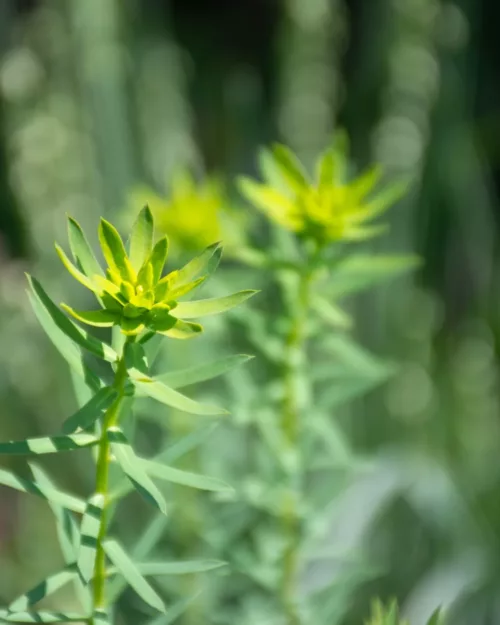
column 102, row 484
column 291, row 428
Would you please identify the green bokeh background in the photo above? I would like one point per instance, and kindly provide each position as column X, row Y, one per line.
column 99, row 96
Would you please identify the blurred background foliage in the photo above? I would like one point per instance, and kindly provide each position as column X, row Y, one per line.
column 103, row 105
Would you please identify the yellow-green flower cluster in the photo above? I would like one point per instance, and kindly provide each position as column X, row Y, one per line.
column 132, row 291
column 326, row 208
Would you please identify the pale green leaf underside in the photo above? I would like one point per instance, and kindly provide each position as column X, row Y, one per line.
column 91, row 523
column 157, row 390
column 128, row 569
column 186, row 478
column 48, row 444
column 43, row 589
column 203, row 372
column 212, row 306
column 28, row 486
column 187, row 567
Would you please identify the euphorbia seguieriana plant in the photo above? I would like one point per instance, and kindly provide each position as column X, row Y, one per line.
column 309, row 368
column 389, row 615
column 142, row 304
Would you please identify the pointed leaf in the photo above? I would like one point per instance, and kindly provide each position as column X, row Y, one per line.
column 97, row 318
column 81, row 250
column 48, row 444
column 174, row 612
column 325, row 169
column 186, row 478
column 157, row 390
column 203, row 372
column 141, row 239
column 76, row 273
column 158, row 258
column 188, row 567
column 114, row 251
column 202, row 265
column 213, row 306
column 42, row 617
column 273, row 203
column 28, row 486
column 290, row 168
column 91, row 525
column 180, row 330
column 49, row 585
column 133, row 469
column 128, row 569
column 90, row 412
column 436, row 618
column 79, row 336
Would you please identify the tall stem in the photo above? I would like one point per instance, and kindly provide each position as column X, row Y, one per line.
column 102, row 484
column 291, row 428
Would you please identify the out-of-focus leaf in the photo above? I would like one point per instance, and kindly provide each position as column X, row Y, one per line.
column 45, row 588
column 130, row 572
column 186, row 478
column 290, row 168
column 203, row 372
column 91, row 524
column 186, row 567
column 42, row 617
column 48, row 444
column 174, row 612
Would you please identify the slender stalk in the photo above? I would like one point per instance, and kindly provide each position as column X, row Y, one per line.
column 291, row 427
column 102, row 484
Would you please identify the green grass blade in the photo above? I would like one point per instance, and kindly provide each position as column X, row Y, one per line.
column 186, row 478
column 203, row 372
column 48, row 444
column 91, row 523
column 88, row 414
column 157, row 390
column 28, row 486
column 128, row 569
column 212, row 306
column 141, row 238
column 133, row 469
column 43, row 589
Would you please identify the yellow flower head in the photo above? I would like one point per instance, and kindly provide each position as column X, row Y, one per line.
column 191, row 215
column 326, row 208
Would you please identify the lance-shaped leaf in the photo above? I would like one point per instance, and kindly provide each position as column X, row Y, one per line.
column 66, row 347
column 76, row 334
column 81, row 250
column 76, row 273
column 42, row 617
column 97, row 318
column 203, row 372
column 101, row 617
column 114, row 251
column 188, row 567
column 45, row 588
column 174, row 612
column 436, row 618
column 212, row 306
column 141, row 238
column 158, row 258
column 68, row 533
column 128, row 569
column 202, row 265
column 186, row 478
column 90, row 412
column 290, row 168
column 133, row 469
column 91, row 525
column 157, row 390
column 48, row 444
column 28, row 486
column 179, row 330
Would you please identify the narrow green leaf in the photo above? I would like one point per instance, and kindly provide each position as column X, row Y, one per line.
column 128, row 569
column 66, row 347
column 157, row 390
column 101, row 617
column 42, row 617
column 188, row 567
column 273, row 203
column 358, row 272
column 325, row 169
column 181, row 330
column 202, row 265
column 212, row 306
column 436, row 618
column 174, row 612
column 81, row 250
column 76, row 273
column 203, row 372
column 331, row 313
column 290, row 168
column 91, row 525
column 76, row 334
column 158, row 258
column 88, row 414
column 48, row 444
column 133, row 469
column 45, row 588
column 141, row 239
column 114, row 251
column 28, row 486
column 97, row 318
column 186, row 478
